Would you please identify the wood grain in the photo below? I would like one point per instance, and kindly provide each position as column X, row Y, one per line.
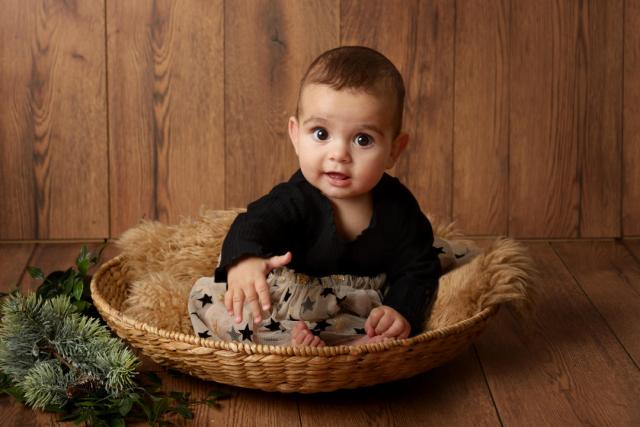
column 631, row 133
column 13, row 260
column 561, row 366
column 599, row 52
column 19, row 216
column 634, row 247
column 166, row 109
column 53, row 144
column 418, row 37
column 452, row 395
column 481, row 128
column 93, row 139
column 358, row 408
column 268, row 46
column 610, row 277
column 252, row 408
column 544, row 193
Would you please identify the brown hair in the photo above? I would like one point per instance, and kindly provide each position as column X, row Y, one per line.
column 357, row 67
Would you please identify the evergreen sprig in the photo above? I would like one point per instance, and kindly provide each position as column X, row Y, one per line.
column 56, row 358
column 54, row 354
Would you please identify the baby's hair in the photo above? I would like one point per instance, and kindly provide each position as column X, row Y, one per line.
column 360, row 68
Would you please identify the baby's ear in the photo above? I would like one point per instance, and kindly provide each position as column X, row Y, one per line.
column 293, row 132
column 397, row 147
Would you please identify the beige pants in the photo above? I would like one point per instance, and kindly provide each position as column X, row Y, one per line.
column 334, row 307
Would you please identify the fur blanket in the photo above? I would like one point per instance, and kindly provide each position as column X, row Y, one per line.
column 165, row 260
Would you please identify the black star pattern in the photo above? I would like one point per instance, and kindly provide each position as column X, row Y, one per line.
column 438, row 250
column 359, row 331
column 235, row 336
column 321, row 325
column 287, row 295
column 206, row 299
column 273, row 325
column 307, row 305
column 246, row 333
column 327, row 292
column 204, row 334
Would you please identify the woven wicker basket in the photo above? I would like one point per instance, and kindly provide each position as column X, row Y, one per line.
column 273, row 368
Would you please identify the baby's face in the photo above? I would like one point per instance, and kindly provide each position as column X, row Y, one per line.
column 344, row 140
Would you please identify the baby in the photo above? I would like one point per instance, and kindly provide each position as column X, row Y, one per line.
column 359, row 255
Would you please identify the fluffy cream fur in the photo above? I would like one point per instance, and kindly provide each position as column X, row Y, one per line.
column 503, row 273
column 165, row 260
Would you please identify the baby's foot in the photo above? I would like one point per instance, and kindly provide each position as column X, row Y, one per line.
column 301, row 335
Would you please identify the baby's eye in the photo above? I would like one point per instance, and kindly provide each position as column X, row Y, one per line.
column 363, row 140
column 320, row 134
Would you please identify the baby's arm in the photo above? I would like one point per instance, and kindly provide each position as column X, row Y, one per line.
column 246, row 281
column 387, row 322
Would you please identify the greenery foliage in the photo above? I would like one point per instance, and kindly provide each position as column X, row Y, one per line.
column 57, row 355
column 53, row 354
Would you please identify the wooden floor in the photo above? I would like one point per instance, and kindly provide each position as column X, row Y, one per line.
column 576, row 362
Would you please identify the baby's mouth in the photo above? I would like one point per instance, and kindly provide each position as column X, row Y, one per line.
column 337, row 179
column 337, row 176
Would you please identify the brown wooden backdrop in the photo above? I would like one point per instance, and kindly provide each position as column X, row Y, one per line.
column 525, row 115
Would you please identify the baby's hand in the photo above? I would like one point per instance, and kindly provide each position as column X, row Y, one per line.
column 386, row 321
column 247, row 280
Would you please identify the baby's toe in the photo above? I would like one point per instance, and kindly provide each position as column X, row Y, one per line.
column 308, row 338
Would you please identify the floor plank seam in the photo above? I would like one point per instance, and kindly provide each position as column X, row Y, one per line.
column 630, row 252
column 486, row 381
column 299, row 411
column 633, row 256
column 604, row 319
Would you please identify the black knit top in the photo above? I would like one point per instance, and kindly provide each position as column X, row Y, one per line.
column 297, row 217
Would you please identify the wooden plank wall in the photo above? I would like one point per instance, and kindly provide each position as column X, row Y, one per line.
column 53, row 120
column 166, row 109
column 524, row 116
column 631, row 120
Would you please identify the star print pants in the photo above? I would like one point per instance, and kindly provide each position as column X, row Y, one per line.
column 334, row 307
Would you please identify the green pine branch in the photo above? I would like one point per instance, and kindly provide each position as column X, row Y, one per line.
column 52, row 353
column 54, row 357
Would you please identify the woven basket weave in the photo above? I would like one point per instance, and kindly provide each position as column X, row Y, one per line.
column 274, row 368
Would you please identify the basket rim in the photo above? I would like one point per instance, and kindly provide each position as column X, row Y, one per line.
column 109, row 312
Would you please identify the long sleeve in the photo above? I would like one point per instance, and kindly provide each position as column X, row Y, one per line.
column 267, row 228
column 415, row 270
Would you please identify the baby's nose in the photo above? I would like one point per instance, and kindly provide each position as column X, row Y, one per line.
column 340, row 152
